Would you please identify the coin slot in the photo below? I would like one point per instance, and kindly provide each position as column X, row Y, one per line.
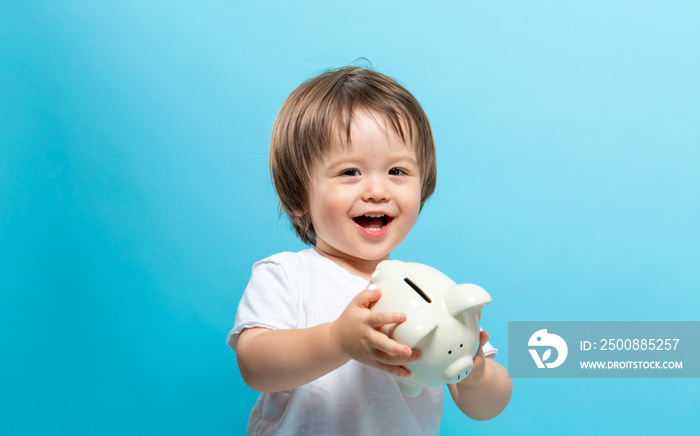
column 418, row 290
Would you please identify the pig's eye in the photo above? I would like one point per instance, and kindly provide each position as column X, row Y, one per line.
column 417, row 289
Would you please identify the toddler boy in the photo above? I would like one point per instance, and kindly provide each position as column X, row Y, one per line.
column 353, row 162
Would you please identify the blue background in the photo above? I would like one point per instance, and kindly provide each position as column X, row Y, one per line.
column 135, row 196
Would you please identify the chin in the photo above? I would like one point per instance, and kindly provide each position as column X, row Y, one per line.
column 375, row 255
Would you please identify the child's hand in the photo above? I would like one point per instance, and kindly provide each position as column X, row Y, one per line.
column 479, row 361
column 485, row 392
column 358, row 334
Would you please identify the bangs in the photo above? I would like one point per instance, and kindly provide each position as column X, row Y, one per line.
column 397, row 121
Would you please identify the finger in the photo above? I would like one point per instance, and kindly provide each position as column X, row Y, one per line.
column 416, row 354
column 483, row 338
column 380, row 319
column 367, row 297
column 479, row 356
column 381, row 358
column 383, row 343
column 388, row 329
column 478, row 361
column 398, row 371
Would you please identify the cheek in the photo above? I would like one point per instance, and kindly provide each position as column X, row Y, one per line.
column 325, row 206
column 411, row 201
column 414, row 214
column 330, row 207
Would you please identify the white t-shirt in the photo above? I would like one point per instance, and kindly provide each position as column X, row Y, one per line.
column 305, row 289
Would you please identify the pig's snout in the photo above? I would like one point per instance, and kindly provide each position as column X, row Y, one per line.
column 458, row 370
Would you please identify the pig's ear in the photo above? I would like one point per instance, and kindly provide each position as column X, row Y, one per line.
column 466, row 298
column 416, row 328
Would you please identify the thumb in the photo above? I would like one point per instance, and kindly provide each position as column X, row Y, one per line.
column 483, row 338
column 367, row 297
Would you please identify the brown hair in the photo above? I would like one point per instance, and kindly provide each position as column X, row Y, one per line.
column 324, row 103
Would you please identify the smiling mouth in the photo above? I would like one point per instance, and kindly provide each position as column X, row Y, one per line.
column 373, row 221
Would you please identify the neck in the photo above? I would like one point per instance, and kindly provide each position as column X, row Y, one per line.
column 359, row 267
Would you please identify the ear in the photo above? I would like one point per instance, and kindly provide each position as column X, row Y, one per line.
column 298, row 210
column 416, row 328
column 466, row 298
column 297, row 207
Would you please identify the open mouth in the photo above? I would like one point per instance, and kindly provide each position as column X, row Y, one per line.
column 373, row 221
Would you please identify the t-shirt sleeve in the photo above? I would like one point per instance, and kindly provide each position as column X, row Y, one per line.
column 270, row 300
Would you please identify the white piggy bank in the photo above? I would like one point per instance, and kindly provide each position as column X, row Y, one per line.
column 441, row 321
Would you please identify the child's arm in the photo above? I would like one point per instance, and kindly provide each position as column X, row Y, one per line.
column 486, row 391
column 276, row 360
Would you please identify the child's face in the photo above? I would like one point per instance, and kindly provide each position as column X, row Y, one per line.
column 364, row 196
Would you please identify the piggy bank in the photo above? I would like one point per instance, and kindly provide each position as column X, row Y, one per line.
column 441, row 321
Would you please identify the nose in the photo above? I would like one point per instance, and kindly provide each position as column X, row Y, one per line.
column 376, row 189
column 458, row 370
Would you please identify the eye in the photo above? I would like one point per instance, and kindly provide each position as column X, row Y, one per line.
column 351, row 172
column 396, row 172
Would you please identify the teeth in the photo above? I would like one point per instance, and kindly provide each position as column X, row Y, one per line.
column 374, row 215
